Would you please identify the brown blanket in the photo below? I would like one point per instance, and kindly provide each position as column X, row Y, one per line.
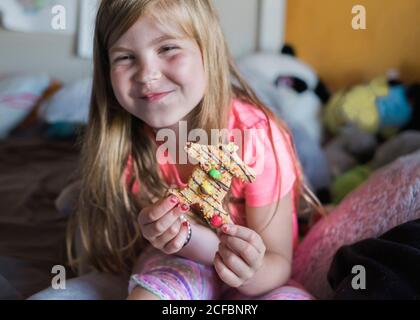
column 32, row 232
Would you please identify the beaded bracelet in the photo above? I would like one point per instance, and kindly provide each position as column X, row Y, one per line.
column 189, row 233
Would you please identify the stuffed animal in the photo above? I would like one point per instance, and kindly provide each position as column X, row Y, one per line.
column 299, row 92
column 413, row 95
column 293, row 91
column 382, row 105
column 349, row 148
column 387, row 199
column 404, row 143
column 349, row 181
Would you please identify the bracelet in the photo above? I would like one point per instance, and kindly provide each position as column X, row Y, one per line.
column 189, row 234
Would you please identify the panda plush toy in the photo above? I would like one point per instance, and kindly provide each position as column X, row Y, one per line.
column 300, row 94
column 294, row 92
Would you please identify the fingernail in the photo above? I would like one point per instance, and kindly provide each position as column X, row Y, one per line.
column 185, row 207
column 225, row 228
column 185, row 223
column 174, row 199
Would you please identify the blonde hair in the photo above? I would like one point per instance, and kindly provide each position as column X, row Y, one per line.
column 106, row 216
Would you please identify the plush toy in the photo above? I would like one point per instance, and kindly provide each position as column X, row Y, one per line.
column 389, row 198
column 350, row 147
column 382, row 105
column 293, row 91
column 349, row 155
column 413, row 95
column 404, row 143
column 299, row 92
column 349, row 181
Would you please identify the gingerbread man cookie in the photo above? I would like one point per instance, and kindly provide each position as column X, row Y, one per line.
column 212, row 179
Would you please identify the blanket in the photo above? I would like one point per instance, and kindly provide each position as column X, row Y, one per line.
column 32, row 232
column 391, row 266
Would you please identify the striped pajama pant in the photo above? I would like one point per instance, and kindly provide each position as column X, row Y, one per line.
column 172, row 277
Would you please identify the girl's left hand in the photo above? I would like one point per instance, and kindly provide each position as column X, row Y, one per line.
column 241, row 253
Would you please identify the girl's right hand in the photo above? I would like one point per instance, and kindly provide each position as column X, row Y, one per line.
column 162, row 226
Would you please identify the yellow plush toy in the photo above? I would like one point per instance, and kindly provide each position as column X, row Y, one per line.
column 356, row 106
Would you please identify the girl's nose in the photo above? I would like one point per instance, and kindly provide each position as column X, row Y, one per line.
column 148, row 74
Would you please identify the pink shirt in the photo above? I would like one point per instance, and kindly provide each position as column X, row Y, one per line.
column 258, row 153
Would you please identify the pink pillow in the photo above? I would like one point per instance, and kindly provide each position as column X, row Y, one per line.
column 389, row 198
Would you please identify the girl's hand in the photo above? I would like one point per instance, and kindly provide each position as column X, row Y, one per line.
column 240, row 255
column 162, row 226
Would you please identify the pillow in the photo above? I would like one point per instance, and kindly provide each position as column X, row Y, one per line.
column 70, row 104
column 31, row 123
column 18, row 96
column 387, row 199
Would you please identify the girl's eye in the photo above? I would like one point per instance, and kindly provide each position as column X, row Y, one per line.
column 168, row 48
column 124, row 58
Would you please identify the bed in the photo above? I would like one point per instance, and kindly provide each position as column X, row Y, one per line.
column 39, row 152
column 38, row 159
column 33, row 171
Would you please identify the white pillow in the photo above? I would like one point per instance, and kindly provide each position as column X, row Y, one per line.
column 18, row 96
column 70, row 104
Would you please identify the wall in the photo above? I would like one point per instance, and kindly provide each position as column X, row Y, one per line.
column 55, row 54
column 239, row 19
column 322, row 34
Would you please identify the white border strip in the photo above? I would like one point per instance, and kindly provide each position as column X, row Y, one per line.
column 272, row 22
column 87, row 15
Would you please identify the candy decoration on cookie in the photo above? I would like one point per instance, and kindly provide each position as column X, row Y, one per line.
column 212, row 179
column 216, row 221
column 215, row 174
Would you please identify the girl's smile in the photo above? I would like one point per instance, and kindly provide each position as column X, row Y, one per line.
column 155, row 96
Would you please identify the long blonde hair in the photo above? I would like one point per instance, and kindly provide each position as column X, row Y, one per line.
column 107, row 212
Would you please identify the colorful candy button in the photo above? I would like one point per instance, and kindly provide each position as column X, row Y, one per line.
column 206, row 188
column 216, row 221
column 215, row 174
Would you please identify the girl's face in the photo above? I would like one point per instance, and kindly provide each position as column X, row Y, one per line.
column 156, row 77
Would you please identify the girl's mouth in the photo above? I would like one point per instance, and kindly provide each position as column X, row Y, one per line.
column 156, row 97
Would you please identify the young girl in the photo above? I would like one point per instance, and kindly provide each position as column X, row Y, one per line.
column 158, row 63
